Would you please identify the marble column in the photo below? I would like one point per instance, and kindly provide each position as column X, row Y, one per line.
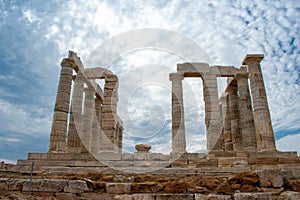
column 97, row 124
column 75, row 125
column 228, row 146
column 212, row 113
column 234, row 118
column 109, row 116
column 262, row 118
column 120, row 139
column 58, row 134
column 178, row 130
column 88, row 117
column 246, row 113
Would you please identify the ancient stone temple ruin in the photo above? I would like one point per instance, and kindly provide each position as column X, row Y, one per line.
column 98, row 127
column 232, row 124
column 87, row 130
column 85, row 158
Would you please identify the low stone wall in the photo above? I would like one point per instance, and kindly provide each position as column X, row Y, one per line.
column 264, row 184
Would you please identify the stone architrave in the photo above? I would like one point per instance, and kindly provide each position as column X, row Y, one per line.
column 62, row 106
column 212, row 112
column 178, row 130
column 262, row 118
column 246, row 114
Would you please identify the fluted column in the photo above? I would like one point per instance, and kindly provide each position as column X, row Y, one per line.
column 226, row 123
column 178, row 130
column 75, row 125
column 234, row 118
column 212, row 113
column 109, row 116
column 262, row 118
column 246, row 114
column 62, row 106
column 97, row 125
column 88, row 115
column 120, row 139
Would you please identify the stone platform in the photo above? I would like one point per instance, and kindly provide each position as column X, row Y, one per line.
column 214, row 162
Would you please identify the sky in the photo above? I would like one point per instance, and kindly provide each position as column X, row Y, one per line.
column 36, row 35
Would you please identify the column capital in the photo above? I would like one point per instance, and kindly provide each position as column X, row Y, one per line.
column 68, row 62
column 241, row 75
column 176, row 76
column 249, row 58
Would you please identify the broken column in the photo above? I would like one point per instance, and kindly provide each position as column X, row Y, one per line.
column 62, row 107
column 246, row 115
column 178, row 130
column 262, row 118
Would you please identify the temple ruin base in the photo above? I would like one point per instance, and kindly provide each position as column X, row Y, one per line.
column 231, row 161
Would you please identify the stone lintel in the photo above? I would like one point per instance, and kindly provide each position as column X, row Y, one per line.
column 193, row 69
column 173, row 76
column 223, row 71
column 239, row 75
column 252, row 58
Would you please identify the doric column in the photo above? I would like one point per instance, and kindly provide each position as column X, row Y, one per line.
column 212, row 113
column 96, row 116
column 75, row 125
column 178, row 130
column 120, row 139
column 62, row 106
column 226, row 123
column 246, row 114
column 234, row 118
column 109, row 116
column 262, row 118
column 88, row 115
column 96, row 125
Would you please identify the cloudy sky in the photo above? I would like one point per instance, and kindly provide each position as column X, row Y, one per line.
column 36, row 35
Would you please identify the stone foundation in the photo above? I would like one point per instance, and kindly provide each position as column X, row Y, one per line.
column 259, row 184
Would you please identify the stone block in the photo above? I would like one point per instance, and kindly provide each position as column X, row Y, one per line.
column 96, row 196
column 37, row 156
column 146, row 187
column 270, row 178
column 134, row 197
column 76, row 186
column 65, row 196
column 252, row 196
column 212, row 197
column 12, row 184
column 46, row 185
column 109, row 156
column 118, row 188
column 289, row 195
column 173, row 196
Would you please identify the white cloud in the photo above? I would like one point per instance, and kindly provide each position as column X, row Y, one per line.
column 22, row 120
column 289, row 143
column 6, row 161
